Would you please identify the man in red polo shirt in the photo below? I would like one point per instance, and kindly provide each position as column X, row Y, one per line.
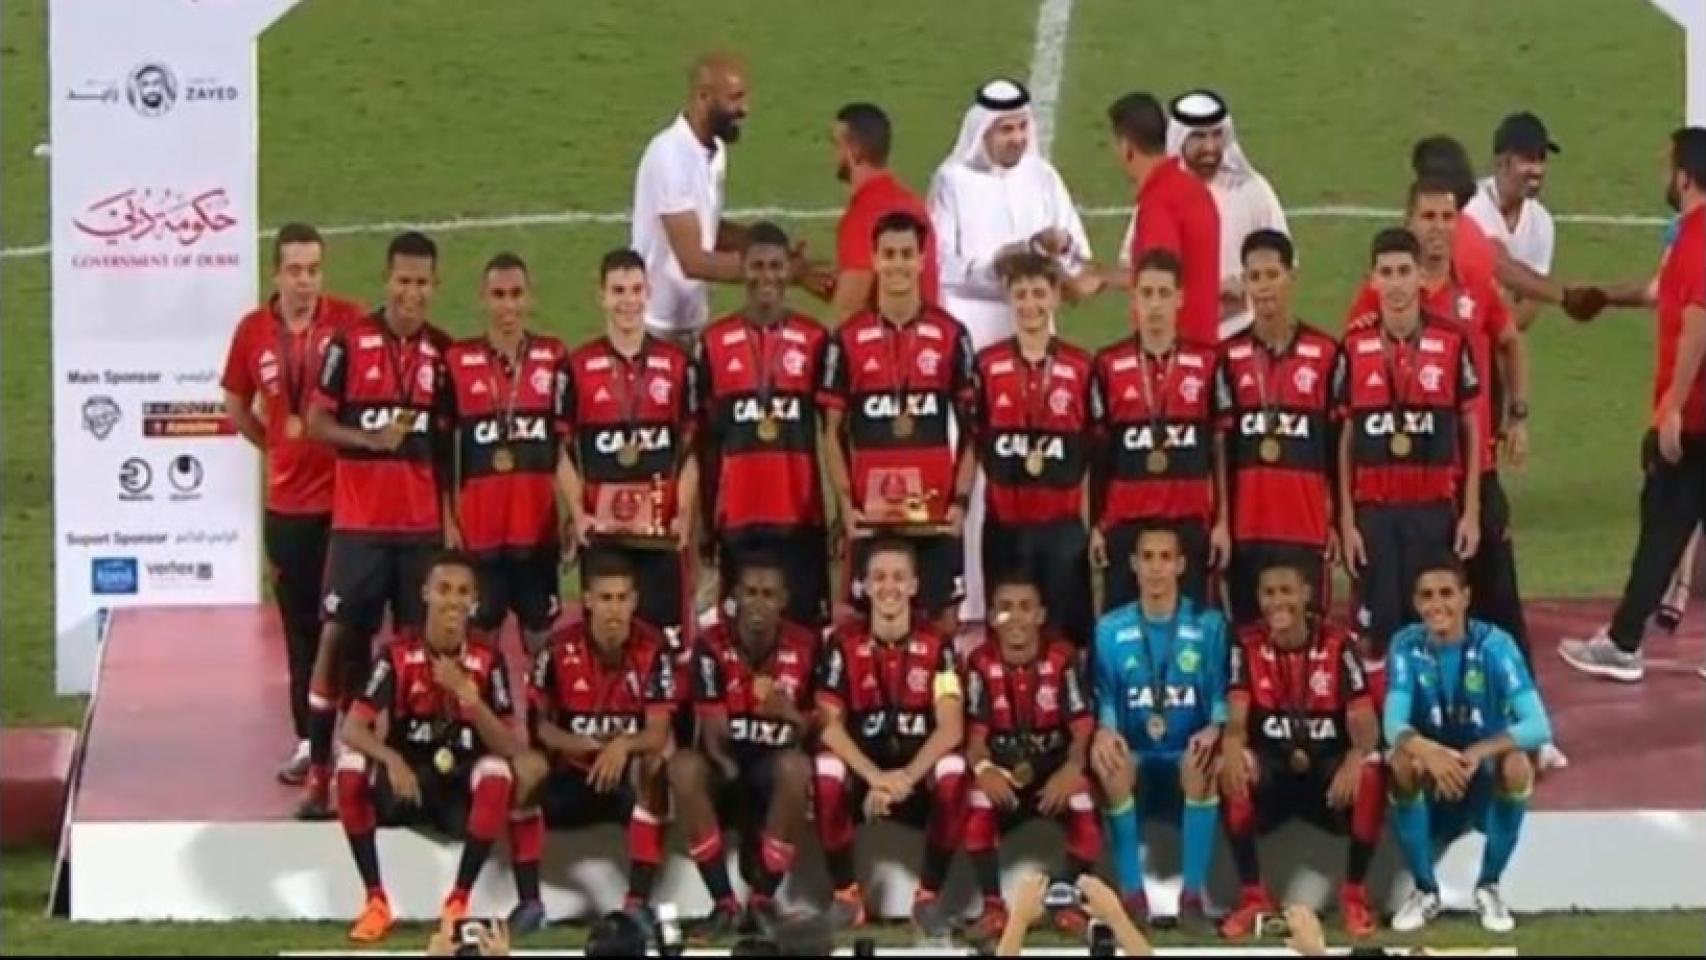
column 863, row 136
column 275, row 353
column 1175, row 212
column 1673, row 498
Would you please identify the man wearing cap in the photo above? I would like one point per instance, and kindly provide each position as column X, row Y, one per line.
column 993, row 198
column 1201, row 134
column 1507, row 204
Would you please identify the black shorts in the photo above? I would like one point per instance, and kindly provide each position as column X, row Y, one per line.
column 1029, row 794
column 804, row 555
column 568, row 802
column 1250, row 559
column 941, row 572
column 522, row 582
column 1055, row 555
column 445, row 799
column 1119, row 582
column 743, row 801
column 1400, row 541
column 660, row 580
column 364, row 574
column 1281, row 795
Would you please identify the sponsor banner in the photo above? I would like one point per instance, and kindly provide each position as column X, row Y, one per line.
column 154, row 131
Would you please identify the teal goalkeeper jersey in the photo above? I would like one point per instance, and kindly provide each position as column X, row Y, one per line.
column 1159, row 682
column 1461, row 693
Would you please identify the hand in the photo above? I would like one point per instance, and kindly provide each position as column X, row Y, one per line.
column 404, row 785
column 995, row 785
column 1236, row 773
column 1516, row 445
column 443, row 940
column 878, row 802
column 387, row 438
column 1232, row 292
column 1584, row 303
column 1098, row 549
column 452, row 534
column 818, row 279
column 895, row 783
column 584, row 525
column 1100, row 900
column 1468, row 538
column 955, row 519
column 1058, row 791
column 452, row 679
column 1220, row 546
column 606, row 773
column 1052, row 241
column 1306, row 936
column 1333, row 551
column 1444, row 768
column 1670, row 432
column 1026, row 906
column 708, row 557
column 776, row 705
column 1110, row 756
column 798, row 265
column 726, row 765
column 1342, row 792
column 1472, row 758
column 852, row 522
column 681, row 528
column 1199, row 752
column 493, row 938
column 1356, row 556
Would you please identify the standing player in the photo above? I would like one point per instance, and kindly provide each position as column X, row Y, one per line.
column 381, row 392
column 1175, row 213
column 599, row 703
column 444, row 760
column 1405, row 390
column 276, row 354
column 1162, row 464
column 632, row 478
column 753, row 690
column 892, row 376
column 1160, row 676
column 1461, row 716
column 1302, row 740
column 1274, row 391
column 506, row 410
column 863, row 137
column 892, row 717
column 759, row 370
column 1028, row 745
column 1033, row 438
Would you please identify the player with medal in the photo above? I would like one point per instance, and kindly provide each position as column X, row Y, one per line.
column 1028, row 743
column 275, row 356
column 1159, row 669
column 1302, row 741
column 444, row 763
column 506, row 411
column 1032, row 428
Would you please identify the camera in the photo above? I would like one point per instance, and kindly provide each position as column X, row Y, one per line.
column 1063, row 895
column 468, row 933
column 1101, row 940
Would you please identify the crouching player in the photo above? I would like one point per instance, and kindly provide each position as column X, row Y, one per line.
column 444, row 762
column 1302, row 740
column 1028, row 745
column 753, row 689
column 600, row 700
column 889, row 704
column 1160, row 675
column 1462, row 716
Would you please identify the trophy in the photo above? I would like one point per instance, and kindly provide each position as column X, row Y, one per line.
column 634, row 515
column 896, row 502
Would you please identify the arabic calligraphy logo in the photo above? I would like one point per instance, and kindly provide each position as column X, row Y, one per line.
column 152, row 89
column 100, row 416
column 145, row 213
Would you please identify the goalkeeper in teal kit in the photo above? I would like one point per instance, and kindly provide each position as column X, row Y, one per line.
column 1461, row 717
column 1160, row 676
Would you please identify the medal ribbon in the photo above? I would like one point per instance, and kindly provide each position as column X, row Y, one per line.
column 763, row 363
column 1157, row 670
column 1448, row 705
column 632, row 371
column 1154, row 410
column 295, row 364
column 898, row 352
column 405, row 375
column 500, row 366
column 1266, row 359
column 1022, row 716
column 1392, row 355
column 1033, row 409
column 1294, row 687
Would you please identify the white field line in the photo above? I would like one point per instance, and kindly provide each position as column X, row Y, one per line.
column 1048, row 65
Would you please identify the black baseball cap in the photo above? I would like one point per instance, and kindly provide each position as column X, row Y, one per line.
column 1523, row 134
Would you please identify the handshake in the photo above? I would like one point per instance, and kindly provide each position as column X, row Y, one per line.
column 1584, row 303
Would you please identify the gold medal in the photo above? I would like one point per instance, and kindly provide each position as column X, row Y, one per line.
column 904, row 425
column 629, row 455
column 1269, row 450
column 293, row 427
column 769, row 429
column 1299, row 761
column 444, row 761
column 1157, row 461
column 761, row 687
column 1158, row 727
column 1400, row 445
column 1022, row 774
column 503, row 461
column 1034, row 463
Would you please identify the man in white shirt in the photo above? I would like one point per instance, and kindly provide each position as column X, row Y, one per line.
column 678, row 226
column 1507, row 204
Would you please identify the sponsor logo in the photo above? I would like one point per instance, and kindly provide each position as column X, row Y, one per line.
column 113, row 378
column 100, row 416
column 212, row 538
column 156, row 227
column 178, row 573
column 119, row 538
column 185, row 474
column 135, row 478
column 186, row 418
column 112, row 575
column 151, row 89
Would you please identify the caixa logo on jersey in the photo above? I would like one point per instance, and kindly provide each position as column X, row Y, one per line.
column 113, row 576
column 152, row 89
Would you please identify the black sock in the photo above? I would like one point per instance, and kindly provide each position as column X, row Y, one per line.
column 1244, row 858
column 321, row 726
column 987, row 866
column 527, row 882
column 640, row 879
column 366, row 859
column 935, row 870
column 765, row 882
column 474, row 854
column 715, row 873
column 1356, row 870
column 840, row 864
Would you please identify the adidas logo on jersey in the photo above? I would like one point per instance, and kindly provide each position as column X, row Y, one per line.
column 580, row 685
column 478, row 389
column 372, row 373
column 1003, row 401
column 602, row 396
column 1376, row 380
column 871, row 365
column 1246, row 381
column 1130, row 394
column 735, row 366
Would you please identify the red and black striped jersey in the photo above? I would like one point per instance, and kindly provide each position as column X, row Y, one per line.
column 1027, row 711
column 422, row 716
column 1155, row 419
column 887, row 692
column 1033, row 431
column 645, row 404
column 574, row 688
column 726, row 682
column 1298, row 700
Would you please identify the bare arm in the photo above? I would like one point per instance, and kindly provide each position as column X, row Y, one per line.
column 1513, row 354
column 1517, row 276
column 653, row 738
column 561, row 743
column 1524, row 312
column 359, row 735
column 841, row 743
column 242, row 414
column 1365, row 730
column 494, row 731
column 950, row 730
column 852, row 294
column 325, row 428
column 731, row 236
column 835, row 460
column 1347, row 506
column 1640, row 293
column 719, row 266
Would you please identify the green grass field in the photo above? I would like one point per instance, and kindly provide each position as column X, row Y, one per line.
column 434, row 109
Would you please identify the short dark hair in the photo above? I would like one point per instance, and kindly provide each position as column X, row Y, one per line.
column 765, row 234
column 621, row 258
column 1267, row 239
column 1290, row 566
column 1178, row 538
column 1026, row 265
column 1444, row 156
column 1012, row 577
column 869, row 130
column 411, row 243
column 1688, row 153
column 891, row 545
column 606, row 565
column 761, row 560
column 452, row 558
column 1140, row 120
column 1162, row 260
column 1429, row 185
column 1394, row 240
column 294, row 232
column 616, row 934
column 504, row 261
column 900, row 221
column 1442, row 562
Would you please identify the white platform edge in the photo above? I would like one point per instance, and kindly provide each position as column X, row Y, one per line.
column 1626, row 860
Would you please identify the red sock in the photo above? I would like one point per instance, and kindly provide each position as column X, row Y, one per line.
column 645, row 837
column 1368, row 814
column 355, row 802
column 526, row 836
column 777, row 855
column 980, row 825
column 489, row 806
column 708, row 848
column 1083, row 829
column 834, row 817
